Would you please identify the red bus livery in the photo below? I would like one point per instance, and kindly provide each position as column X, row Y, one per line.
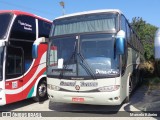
column 22, row 73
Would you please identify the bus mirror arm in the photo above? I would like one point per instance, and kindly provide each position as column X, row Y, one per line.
column 40, row 40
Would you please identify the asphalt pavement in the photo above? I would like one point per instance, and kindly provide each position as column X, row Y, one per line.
column 141, row 100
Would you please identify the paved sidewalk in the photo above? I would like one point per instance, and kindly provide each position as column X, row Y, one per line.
column 146, row 100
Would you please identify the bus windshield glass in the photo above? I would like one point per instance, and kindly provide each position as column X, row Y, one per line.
column 98, row 51
column 62, row 49
column 89, row 56
column 85, row 24
column 4, row 24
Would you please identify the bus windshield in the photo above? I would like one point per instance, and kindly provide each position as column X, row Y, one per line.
column 89, row 56
column 4, row 24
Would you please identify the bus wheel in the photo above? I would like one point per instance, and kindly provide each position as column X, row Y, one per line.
column 41, row 91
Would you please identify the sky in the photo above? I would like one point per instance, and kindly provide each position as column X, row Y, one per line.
column 149, row 10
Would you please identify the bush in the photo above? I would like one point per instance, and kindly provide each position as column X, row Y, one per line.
column 147, row 68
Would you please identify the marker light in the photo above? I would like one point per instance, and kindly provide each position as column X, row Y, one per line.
column 109, row 88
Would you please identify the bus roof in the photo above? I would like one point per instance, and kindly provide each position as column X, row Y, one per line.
column 18, row 12
column 90, row 12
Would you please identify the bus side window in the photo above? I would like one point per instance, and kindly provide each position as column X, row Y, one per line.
column 27, row 64
column 27, row 47
column 44, row 28
column 14, row 64
column 128, row 34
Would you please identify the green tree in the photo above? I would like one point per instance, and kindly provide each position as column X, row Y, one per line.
column 146, row 33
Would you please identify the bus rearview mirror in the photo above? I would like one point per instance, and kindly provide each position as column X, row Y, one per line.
column 120, row 43
column 35, row 46
column 34, row 51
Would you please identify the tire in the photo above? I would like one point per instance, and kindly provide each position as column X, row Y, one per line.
column 41, row 91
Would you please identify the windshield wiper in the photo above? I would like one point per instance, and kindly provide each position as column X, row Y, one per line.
column 85, row 65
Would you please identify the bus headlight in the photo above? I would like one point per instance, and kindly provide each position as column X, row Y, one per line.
column 109, row 88
column 53, row 87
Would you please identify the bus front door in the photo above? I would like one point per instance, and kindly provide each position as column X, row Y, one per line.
column 14, row 74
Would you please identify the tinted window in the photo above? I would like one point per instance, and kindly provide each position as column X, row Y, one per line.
column 123, row 24
column 128, row 33
column 85, row 23
column 4, row 23
column 14, row 62
column 24, row 28
column 27, row 49
column 44, row 28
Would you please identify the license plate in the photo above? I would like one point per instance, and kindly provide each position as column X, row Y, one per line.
column 77, row 99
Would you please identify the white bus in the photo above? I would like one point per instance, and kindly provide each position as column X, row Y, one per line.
column 157, row 44
column 157, row 51
column 93, row 58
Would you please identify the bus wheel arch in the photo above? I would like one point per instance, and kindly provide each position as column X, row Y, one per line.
column 41, row 90
column 129, row 88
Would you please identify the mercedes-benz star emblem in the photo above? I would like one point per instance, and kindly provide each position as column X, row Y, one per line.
column 77, row 87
